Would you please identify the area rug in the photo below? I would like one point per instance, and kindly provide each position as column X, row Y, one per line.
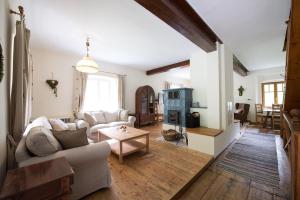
column 253, row 156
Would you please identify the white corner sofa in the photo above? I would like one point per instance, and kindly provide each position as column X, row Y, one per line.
column 105, row 119
column 88, row 162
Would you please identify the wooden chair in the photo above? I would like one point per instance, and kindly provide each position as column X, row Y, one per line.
column 259, row 113
column 276, row 115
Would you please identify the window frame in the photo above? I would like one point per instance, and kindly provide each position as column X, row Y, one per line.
column 275, row 91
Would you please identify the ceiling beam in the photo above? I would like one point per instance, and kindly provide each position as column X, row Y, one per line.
column 238, row 67
column 166, row 68
column 183, row 18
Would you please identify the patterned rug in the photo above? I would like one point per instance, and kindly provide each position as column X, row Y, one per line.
column 253, row 156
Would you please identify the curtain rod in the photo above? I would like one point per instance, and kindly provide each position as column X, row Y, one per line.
column 113, row 73
column 20, row 13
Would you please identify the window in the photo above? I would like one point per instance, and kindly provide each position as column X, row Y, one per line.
column 272, row 93
column 101, row 93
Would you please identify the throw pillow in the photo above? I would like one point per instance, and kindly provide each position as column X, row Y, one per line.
column 58, row 125
column 111, row 116
column 100, row 117
column 41, row 142
column 72, row 138
column 124, row 115
column 91, row 119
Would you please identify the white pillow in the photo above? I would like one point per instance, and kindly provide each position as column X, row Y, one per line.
column 123, row 116
column 58, row 125
column 91, row 119
column 111, row 116
column 41, row 142
column 100, row 117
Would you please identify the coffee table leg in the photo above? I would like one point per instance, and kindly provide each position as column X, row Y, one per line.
column 147, row 143
column 99, row 136
column 121, row 152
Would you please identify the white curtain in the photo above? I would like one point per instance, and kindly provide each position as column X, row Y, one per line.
column 121, row 91
column 167, row 85
column 80, row 80
column 21, row 90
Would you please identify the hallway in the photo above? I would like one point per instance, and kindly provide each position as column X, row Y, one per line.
column 218, row 183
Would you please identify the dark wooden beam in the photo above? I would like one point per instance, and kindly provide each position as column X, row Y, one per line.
column 183, row 18
column 166, row 68
column 238, row 67
column 285, row 39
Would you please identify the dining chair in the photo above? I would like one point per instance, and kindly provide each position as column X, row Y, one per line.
column 276, row 114
column 259, row 113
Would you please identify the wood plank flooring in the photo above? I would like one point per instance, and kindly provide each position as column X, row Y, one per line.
column 143, row 177
column 160, row 174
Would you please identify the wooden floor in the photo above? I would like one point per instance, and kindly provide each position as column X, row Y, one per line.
column 147, row 176
column 216, row 183
column 160, row 174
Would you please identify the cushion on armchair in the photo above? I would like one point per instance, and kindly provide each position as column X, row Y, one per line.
column 71, row 138
column 111, row 116
column 91, row 119
column 100, row 117
column 41, row 142
column 58, row 125
column 123, row 115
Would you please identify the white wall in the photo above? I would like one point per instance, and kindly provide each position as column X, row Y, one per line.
column 47, row 61
column 252, row 84
column 60, row 63
column 216, row 89
column 205, row 80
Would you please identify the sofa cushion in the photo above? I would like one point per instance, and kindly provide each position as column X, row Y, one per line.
column 58, row 125
column 119, row 123
column 100, row 117
column 95, row 128
column 111, row 116
column 41, row 121
column 123, row 115
column 71, row 138
column 91, row 119
column 41, row 142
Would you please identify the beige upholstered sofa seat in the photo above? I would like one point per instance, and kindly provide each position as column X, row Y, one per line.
column 105, row 119
column 89, row 162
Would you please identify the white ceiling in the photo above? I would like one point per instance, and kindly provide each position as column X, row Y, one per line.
column 253, row 29
column 121, row 31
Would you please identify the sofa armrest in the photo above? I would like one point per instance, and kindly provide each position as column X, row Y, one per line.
column 131, row 120
column 77, row 157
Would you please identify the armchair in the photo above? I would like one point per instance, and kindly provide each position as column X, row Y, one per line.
column 241, row 112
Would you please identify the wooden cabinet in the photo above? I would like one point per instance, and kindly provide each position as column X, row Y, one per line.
column 144, row 105
column 46, row 180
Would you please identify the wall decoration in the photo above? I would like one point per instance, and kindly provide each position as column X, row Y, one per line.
column 53, row 85
column 241, row 90
column 1, row 63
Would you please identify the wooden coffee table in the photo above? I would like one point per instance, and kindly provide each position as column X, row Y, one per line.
column 124, row 143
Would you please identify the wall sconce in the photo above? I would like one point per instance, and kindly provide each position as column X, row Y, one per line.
column 53, row 85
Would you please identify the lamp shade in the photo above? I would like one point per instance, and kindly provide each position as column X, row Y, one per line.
column 87, row 65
